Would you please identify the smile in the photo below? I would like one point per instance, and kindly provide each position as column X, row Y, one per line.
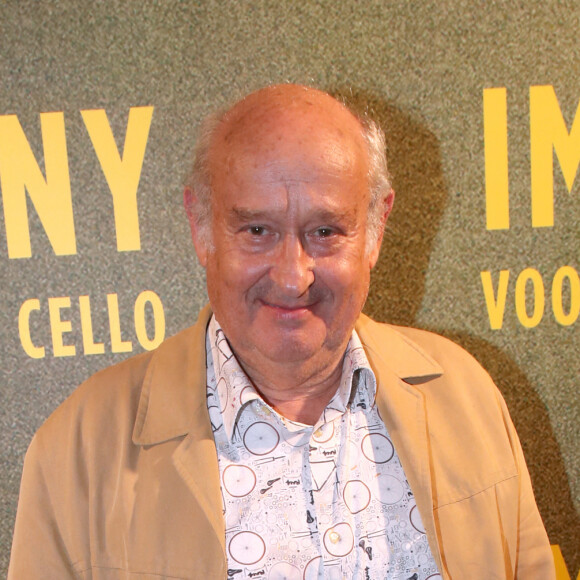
column 287, row 311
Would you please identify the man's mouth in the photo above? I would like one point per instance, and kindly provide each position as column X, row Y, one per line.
column 289, row 311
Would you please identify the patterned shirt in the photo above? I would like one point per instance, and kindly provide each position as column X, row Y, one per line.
column 306, row 502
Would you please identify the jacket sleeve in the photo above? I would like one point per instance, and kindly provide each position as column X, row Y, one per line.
column 534, row 559
column 38, row 546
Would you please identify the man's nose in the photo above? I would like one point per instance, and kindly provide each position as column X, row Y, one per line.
column 293, row 268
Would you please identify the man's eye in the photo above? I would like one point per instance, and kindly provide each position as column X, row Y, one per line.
column 257, row 230
column 323, row 232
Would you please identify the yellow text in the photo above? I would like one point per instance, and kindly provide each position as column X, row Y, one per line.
column 57, row 312
column 529, row 296
column 548, row 134
column 51, row 195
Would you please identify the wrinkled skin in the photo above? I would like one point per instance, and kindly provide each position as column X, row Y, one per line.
column 288, row 270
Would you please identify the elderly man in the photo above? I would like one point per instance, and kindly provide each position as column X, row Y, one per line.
column 285, row 435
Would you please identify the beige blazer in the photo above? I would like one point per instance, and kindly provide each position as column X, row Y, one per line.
column 122, row 480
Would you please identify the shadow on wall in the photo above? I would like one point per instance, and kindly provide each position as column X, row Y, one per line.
column 398, row 279
column 396, row 293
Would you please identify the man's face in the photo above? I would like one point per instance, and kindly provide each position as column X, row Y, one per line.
column 288, row 273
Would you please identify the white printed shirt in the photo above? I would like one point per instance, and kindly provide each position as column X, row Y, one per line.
column 305, row 502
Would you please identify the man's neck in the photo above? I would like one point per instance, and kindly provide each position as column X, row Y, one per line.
column 296, row 392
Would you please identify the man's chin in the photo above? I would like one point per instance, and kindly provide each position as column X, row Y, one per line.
column 292, row 346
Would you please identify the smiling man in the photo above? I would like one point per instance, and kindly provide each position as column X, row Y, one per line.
column 287, row 256
column 285, row 435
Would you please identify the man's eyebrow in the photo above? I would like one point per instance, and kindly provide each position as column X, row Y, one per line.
column 331, row 216
column 242, row 214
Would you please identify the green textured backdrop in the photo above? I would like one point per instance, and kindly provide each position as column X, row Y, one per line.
column 422, row 68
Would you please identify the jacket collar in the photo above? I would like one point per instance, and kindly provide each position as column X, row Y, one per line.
column 173, row 401
column 399, row 354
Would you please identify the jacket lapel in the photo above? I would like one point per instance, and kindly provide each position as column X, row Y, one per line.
column 399, row 365
column 173, row 405
column 196, row 461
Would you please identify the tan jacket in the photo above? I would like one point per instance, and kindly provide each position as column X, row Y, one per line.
column 122, row 480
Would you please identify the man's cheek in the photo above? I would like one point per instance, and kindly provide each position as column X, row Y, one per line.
column 251, row 272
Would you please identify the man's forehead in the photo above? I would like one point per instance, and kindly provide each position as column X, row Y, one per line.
column 285, row 112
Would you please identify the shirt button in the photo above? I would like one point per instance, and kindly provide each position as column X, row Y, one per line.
column 334, row 537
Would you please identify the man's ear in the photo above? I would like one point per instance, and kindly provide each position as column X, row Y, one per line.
column 387, row 203
column 200, row 241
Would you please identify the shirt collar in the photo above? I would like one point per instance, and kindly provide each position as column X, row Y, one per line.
column 358, row 384
column 235, row 391
column 233, row 387
column 172, row 383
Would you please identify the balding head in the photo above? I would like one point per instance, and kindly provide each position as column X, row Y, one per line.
column 313, row 122
column 279, row 212
column 307, row 122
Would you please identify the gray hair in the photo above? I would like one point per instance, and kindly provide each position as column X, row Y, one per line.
column 199, row 178
column 378, row 176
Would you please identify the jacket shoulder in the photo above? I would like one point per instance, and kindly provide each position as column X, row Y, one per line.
column 109, row 399
column 422, row 345
column 439, row 347
column 103, row 395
